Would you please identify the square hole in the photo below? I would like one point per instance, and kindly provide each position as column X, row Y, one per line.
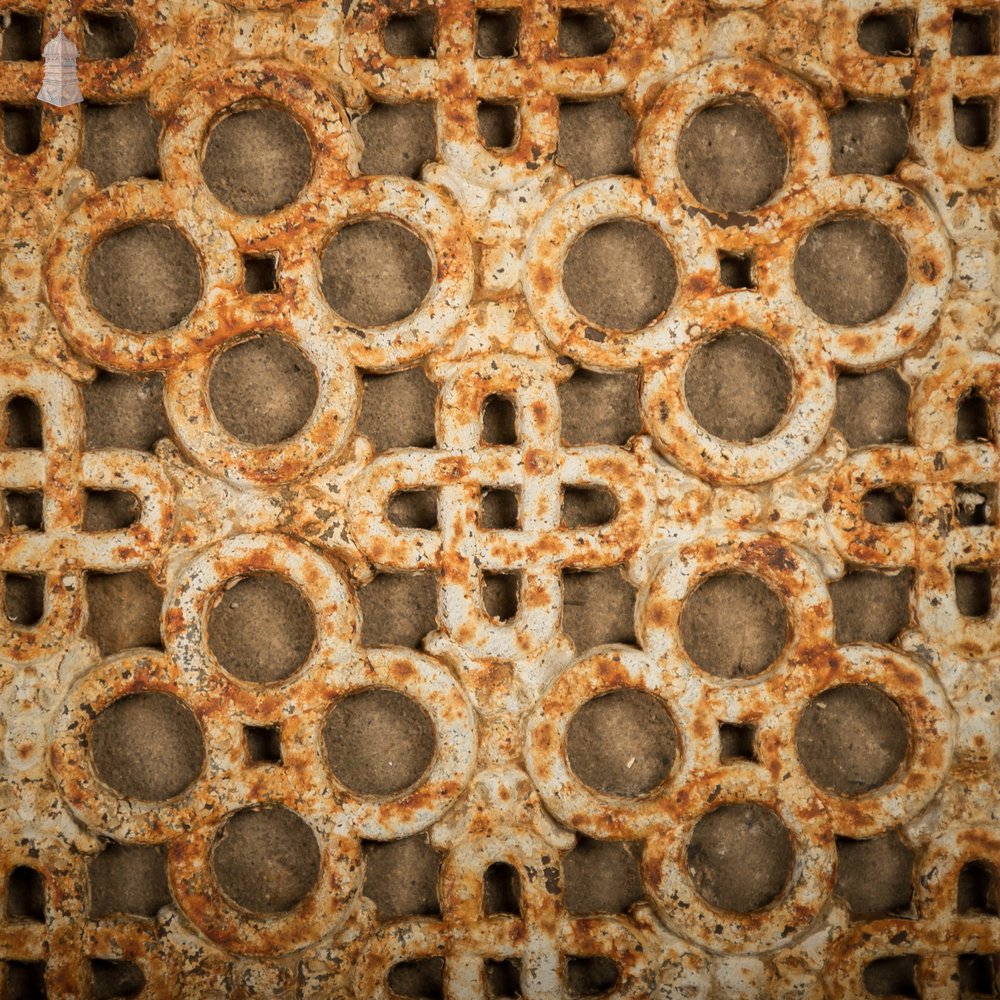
column 974, row 33
column 24, row 597
column 736, row 270
column 24, row 510
column 499, row 421
column 973, row 122
column 397, row 411
column 26, row 894
column 872, row 408
column 398, row 138
column 887, row 33
column 972, row 422
column 260, row 273
column 498, row 124
column 414, row 509
column 113, row 978
column 587, row 506
column 975, row 504
column 401, row 876
column 498, row 509
column 22, row 38
column 871, row 607
column 602, row 876
column 422, row 977
column 128, row 878
column 591, row 975
column 977, row 975
column 503, row 977
column 500, row 595
column 596, row 137
column 107, row 36
column 892, row 977
column 584, row 33
column 977, row 889
column 120, row 141
column 381, row 601
column 24, row 423
column 497, row 32
column 124, row 611
column 598, row 607
column 25, row 981
column 22, row 128
column 973, row 591
column 888, row 505
column 263, row 744
column 411, row 35
column 599, row 408
column 875, row 876
column 737, row 741
column 501, row 890
column 110, row 510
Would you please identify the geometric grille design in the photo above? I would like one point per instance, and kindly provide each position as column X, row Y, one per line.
column 488, row 773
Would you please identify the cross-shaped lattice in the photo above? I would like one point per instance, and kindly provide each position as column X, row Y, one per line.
column 947, row 933
column 58, row 548
column 533, row 932
column 927, row 72
column 532, row 77
column 537, row 467
column 950, row 526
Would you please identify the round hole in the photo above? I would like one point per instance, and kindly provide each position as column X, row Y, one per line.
column 733, row 625
column 263, row 390
column 850, row 271
column 144, row 278
column 732, row 157
column 378, row 742
column 620, row 275
column 740, row 857
column 622, row 743
column 266, row 860
column 262, row 629
column 147, row 746
column 376, row 272
column 737, row 386
column 257, row 160
column 852, row 739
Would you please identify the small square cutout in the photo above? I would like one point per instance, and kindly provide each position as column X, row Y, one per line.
column 411, row 35
column 587, row 506
column 500, row 595
column 498, row 509
column 975, row 504
column 414, row 509
column 22, row 128
column 499, row 421
column 263, row 744
column 884, row 33
column 977, row 975
column 974, row 33
column 113, row 979
column 736, row 271
column 25, row 980
column 503, row 978
column 107, row 36
column 24, row 598
column 889, row 505
column 973, row 122
column 498, row 124
column 973, row 591
column 584, row 33
column 497, row 33
column 260, row 273
column 24, row 510
column 22, row 38
column 737, row 741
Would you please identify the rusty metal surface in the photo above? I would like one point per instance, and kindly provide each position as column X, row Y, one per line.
column 788, row 508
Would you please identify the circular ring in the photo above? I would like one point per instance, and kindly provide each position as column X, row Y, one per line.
column 597, row 814
column 338, row 400
column 105, row 810
column 681, row 906
column 190, row 602
column 131, row 203
column 584, row 207
column 790, row 105
column 438, row 224
column 323, row 909
column 928, row 260
column 313, row 106
column 429, row 684
column 797, row 435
